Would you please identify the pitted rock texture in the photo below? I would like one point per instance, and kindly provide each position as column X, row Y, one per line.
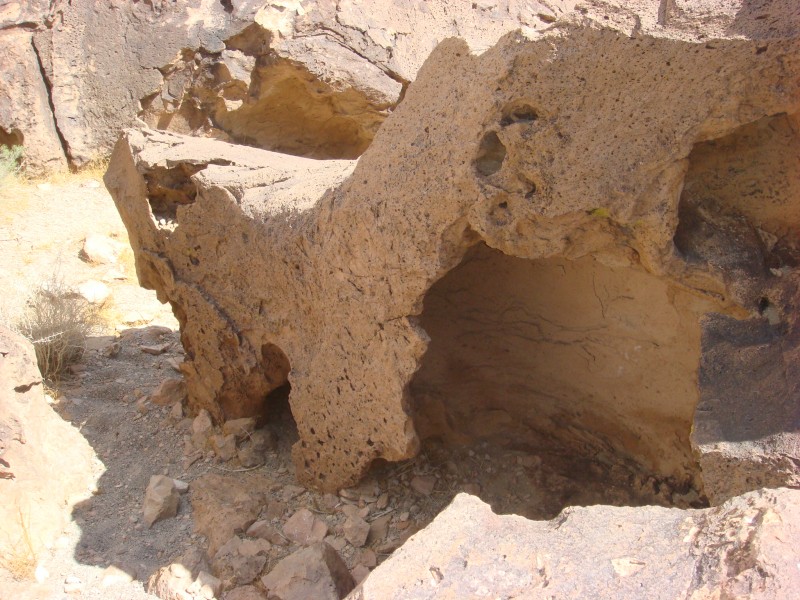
column 312, row 78
column 745, row 548
column 534, row 249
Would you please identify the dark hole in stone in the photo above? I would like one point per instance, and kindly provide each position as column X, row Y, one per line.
column 491, row 154
column 519, row 112
column 169, row 188
column 549, row 383
column 763, row 304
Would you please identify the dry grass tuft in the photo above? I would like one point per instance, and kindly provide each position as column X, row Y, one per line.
column 58, row 320
column 19, row 557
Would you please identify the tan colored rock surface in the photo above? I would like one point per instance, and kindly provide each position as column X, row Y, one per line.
column 745, row 548
column 25, row 115
column 161, row 499
column 45, row 463
column 515, row 218
column 314, row 572
column 224, row 506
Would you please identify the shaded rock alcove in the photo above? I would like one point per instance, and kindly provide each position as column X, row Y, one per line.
column 571, row 358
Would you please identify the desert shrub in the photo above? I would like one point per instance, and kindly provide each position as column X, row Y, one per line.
column 18, row 556
column 57, row 320
column 10, row 157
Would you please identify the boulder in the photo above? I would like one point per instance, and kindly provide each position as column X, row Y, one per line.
column 35, row 444
column 315, row 572
column 538, row 248
column 741, row 549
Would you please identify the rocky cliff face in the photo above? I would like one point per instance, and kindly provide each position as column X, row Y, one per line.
column 308, row 78
column 580, row 239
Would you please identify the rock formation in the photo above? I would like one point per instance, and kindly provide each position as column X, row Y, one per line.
column 308, row 78
column 745, row 548
column 582, row 239
column 45, row 463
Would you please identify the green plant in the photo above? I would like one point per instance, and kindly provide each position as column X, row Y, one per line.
column 10, row 159
column 57, row 320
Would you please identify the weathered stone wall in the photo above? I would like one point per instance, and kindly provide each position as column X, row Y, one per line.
column 561, row 159
column 311, row 78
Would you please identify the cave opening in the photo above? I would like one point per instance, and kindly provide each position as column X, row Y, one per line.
column 557, row 382
column 277, row 413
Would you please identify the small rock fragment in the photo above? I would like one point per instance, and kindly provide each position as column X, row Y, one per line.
column 241, row 428
column 423, row 484
column 205, row 586
column 94, row 292
column 181, row 486
column 356, row 531
column 378, row 529
column 224, row 446
column 161, row 499
column 316, row 572
column 368, row 558
column 176, row 412
column 383, row 501
column 155, row 350
column 265, row 530
column 238, row 568
column 169, row 392
column 101, row 250
column 245, row 592
column 304, row 528
column 360, row 573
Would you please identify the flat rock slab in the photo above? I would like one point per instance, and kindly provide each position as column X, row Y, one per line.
column 744, row 548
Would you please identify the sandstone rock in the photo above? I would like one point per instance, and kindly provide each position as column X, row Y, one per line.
column 237, row 568
column 202, row 430
column 616, row 259
column 94, row 292
column 267, row 531
column 247, row 592
column 224, row 446
column 170, row 391
column 314, row 572
column 423, row 484
column 599, row 551
column 360, row 573
column 35, row 443
column 304, row 528
column 206, row 586
column 356, row 530
column 25, row 115
column 155, row 350
column 101, row 249
column 172, row 582
column 161, row 499
column 241, row 428
column 224, row 506
column 378, row 529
